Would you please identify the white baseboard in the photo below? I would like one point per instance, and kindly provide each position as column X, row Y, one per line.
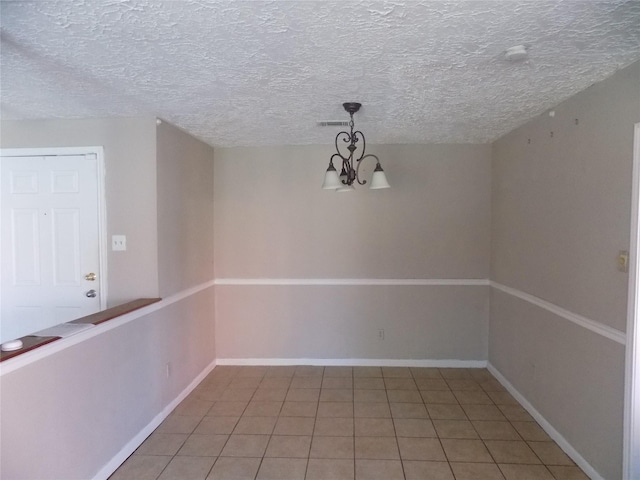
column 546, row 426
column 355, row 362
column 387, row 282
column 106, row 471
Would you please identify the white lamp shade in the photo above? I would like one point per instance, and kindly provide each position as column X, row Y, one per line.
column 331, row 180
column 346, row 188
column 379, row 180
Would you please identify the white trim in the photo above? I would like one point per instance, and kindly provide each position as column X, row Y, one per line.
column 102, row 228
column 355, row 362
column 631, row 439
column 46, row 151
column 596, row 327
column 44, row 351
column 113, row 464
column 355, row 281
column 546, row 426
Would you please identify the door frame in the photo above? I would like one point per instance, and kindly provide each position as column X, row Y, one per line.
column 98, row 151
column 631, row 442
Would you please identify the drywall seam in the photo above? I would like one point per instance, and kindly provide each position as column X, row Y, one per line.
column 354, row 281
column 111, row 466
column 355, row 362
column 546, row 426
column 596, row 327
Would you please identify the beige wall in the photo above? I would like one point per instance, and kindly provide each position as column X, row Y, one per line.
column 68, row 415
column 560, row 214
column 130, row 184
column 342, row 322
column 572, row 376
column 273, row 221
column 561, row 204
column 185, row 206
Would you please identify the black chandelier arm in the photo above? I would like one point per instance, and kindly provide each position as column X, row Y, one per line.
column 364, row 143
column 346, row 137
column 339, row 158
column 352, row 141
column 344, row 164
column 370, row 155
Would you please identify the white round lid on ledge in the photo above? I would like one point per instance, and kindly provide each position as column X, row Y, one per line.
column 11, row 345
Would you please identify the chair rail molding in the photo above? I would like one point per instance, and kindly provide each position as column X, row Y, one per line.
column 596, row 327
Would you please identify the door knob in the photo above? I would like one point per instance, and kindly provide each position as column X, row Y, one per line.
column 90, row 276
column 91, row 293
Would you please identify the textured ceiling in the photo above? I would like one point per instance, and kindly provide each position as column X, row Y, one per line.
column 264, row 72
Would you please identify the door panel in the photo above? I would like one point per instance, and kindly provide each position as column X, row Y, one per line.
column 49, row 241
column 26, row 247
column 66, row 247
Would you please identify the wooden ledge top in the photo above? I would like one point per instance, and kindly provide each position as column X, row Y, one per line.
column 31, row 342
column 111, row 313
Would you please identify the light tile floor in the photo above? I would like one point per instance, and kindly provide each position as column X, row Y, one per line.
column 351, row 423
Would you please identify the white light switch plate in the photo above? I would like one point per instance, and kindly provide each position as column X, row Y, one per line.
column 118, row 243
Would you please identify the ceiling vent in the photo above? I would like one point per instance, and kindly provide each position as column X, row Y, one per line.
column 333, row 124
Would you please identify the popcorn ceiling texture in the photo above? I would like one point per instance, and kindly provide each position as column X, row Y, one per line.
column 264, row 72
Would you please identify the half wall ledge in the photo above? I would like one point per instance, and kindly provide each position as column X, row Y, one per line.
column 31, row 342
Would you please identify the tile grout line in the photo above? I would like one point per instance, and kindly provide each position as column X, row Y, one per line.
column 509, row 418
column 353, row 401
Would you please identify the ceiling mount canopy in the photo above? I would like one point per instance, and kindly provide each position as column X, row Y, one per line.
column 351, row 157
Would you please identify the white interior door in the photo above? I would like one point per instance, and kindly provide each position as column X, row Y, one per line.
column 50, row 241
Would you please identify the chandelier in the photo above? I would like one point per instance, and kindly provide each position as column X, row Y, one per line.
column 351, row 161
